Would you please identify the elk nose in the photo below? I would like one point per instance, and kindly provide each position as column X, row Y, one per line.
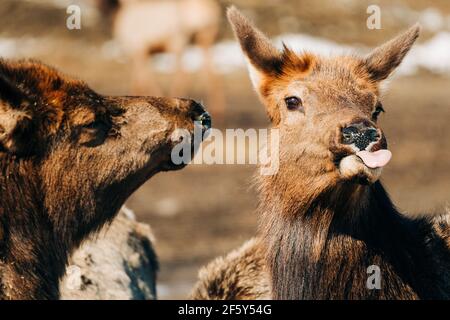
column 200, row 115
column 205, row 120
column 360, row 135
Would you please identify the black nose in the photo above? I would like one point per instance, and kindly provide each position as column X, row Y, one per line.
column 195, row 109
column 205, row 120
column 360, row 135
column 199, row 114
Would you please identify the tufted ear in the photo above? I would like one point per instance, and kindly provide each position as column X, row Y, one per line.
column 262, row 56
column 15, row 122
column 384, row 59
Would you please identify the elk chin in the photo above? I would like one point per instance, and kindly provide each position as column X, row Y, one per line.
column 186, row 143
column 352, row 168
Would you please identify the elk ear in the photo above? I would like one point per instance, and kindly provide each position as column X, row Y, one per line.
column 262, row 56
column 384, row 59
column 15, row 123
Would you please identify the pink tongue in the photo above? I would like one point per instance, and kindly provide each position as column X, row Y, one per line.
column 375, row 159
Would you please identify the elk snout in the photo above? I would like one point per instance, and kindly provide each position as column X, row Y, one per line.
column 204, row 119
column 199, row 114
column 360, row 134
column 369, row 151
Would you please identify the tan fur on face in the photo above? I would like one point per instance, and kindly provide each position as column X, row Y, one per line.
column 294, row 68
column 334, row 92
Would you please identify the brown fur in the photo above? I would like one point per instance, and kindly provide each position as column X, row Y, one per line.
column 324, row 222
column 69, row 158
column 233, row 277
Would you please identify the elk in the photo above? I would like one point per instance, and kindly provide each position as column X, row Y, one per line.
column 69, row 159
column 143, row 28
column 324, row 216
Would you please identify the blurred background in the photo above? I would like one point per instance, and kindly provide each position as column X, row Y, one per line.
column 204, row 211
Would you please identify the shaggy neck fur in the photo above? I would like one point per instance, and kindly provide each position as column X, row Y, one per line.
column 31, row 258
column 41, row 223
column 320, row 243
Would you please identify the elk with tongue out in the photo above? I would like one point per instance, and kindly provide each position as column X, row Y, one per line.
column 326, row 221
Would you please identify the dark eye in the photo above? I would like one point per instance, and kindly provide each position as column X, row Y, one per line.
column 378, row 109
column 97, row 124
column 293, row 103
column 91, row 125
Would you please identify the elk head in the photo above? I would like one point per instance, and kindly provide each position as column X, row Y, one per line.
column 325, row 108
column 88, row 151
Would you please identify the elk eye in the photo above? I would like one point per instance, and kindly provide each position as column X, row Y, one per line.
column 378, row 109
column 293, row 103
column 91, row 125
column 98, row 126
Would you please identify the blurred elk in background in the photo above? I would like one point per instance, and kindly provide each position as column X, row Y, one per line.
column 144, row 28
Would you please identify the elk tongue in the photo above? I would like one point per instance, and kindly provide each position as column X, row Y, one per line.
column 375, row 159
